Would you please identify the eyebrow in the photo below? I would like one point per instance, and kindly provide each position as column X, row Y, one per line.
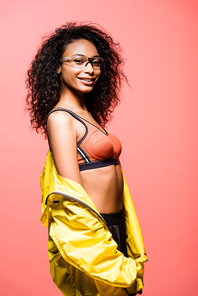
column 82, row 55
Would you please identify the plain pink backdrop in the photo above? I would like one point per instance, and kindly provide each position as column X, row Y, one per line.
column 156, row 122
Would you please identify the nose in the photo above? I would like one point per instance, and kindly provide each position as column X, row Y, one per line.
column 88, row 68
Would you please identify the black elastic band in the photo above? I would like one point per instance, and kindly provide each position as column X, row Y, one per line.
column 115, row 218
column 98, row 164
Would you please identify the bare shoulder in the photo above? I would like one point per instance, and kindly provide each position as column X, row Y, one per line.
column 59, row 119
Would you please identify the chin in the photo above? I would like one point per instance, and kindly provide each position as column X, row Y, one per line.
column 86, row 90
column 83, row 91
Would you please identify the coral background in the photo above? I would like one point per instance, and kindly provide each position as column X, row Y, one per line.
column 157, row 123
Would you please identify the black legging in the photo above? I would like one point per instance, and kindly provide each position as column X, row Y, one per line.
column 116, row 224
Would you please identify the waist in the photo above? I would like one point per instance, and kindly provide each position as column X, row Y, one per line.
column 105, row 187
column 98, row 164
column 114, row 218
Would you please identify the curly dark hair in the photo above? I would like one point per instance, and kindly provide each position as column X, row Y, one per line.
column 44, row 85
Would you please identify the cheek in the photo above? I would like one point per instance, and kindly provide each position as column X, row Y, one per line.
column 97, row 74
column 68, row 76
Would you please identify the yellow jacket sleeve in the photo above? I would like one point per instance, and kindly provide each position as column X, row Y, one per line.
column 85, row 242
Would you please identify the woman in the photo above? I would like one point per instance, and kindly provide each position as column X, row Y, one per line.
column 73, row 84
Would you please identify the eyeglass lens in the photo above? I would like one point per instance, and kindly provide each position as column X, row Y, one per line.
column 82, row 61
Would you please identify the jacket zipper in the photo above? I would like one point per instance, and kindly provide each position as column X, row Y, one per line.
column 77, row 200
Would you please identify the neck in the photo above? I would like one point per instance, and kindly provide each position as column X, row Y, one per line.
column 72, row 100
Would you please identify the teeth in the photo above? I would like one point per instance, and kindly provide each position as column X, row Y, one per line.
column 88, row 80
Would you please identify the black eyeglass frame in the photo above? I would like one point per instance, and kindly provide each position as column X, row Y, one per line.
column 90, row 60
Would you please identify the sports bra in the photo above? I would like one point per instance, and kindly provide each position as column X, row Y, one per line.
column 97, row 148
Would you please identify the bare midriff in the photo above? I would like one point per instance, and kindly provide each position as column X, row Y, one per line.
column 105, row 187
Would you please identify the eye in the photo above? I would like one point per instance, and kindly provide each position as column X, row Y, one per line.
column 78, row 61
column 96, row 62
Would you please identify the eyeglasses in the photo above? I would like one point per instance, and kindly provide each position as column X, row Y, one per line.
column 81, row 61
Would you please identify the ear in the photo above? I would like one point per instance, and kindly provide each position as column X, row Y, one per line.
column 59, row 70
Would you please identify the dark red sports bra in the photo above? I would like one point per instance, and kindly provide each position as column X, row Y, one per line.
column 97, row 148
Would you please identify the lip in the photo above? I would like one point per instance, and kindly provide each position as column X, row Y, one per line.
column 87, row 80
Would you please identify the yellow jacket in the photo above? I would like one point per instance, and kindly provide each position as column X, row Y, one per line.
column 84, row 259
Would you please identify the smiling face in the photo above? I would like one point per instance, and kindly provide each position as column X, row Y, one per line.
column 75, row 79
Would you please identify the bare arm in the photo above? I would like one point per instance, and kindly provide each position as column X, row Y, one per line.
column 62, row 139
